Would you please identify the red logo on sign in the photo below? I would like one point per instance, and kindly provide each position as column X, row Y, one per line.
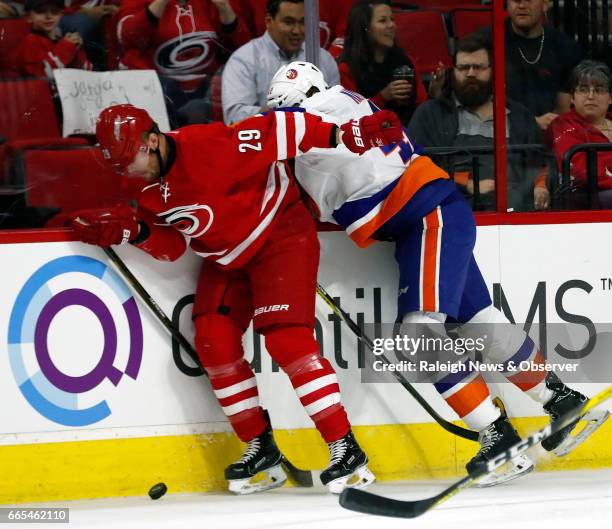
column 292, row 74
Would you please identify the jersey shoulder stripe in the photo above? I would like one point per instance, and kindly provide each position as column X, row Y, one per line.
column 358, row 98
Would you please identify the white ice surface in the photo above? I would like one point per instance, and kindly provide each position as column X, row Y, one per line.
column 556, row 500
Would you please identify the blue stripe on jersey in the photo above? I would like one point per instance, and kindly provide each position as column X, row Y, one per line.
column 358, row 98
column 523, row 353
column 353, row 210
column 453, row 379
column 286, row 109
column 373, row 106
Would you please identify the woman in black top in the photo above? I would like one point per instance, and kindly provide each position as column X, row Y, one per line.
column 374, row 65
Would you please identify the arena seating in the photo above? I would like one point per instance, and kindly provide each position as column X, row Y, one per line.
column 423, row 36
column 466, row 21
column 28, row 118
column 12, row 31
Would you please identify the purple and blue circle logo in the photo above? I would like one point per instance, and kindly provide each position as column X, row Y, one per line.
column 39, row 339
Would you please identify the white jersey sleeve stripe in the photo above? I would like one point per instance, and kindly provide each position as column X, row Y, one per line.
column 281, row 135
column 300, row 130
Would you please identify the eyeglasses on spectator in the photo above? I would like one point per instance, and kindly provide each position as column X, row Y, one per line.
column 585, row 90
column 465, row 68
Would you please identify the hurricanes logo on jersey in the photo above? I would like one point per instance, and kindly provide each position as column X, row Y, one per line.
column 187, row 54
column 193, row 220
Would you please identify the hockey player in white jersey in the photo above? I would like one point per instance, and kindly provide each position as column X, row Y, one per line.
column 395, row 193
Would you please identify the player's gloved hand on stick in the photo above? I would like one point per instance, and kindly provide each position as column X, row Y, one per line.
column 381, row 128
column 106, row 226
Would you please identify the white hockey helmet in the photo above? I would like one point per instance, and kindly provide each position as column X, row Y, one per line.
column 293, row 83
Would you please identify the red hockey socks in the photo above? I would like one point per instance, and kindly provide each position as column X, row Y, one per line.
column 219, row 346
column 312, row 376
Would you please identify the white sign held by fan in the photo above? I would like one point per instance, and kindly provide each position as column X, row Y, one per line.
column 85, row 94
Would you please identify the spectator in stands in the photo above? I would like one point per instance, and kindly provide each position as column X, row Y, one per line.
column 10, row 9
column 87, row 18
column 333, row 17
column 539, row 60
column 186, row 41
column 462, row 118
column 371, row 56
column 590, row 121
column 44, row 49
column 247, row 74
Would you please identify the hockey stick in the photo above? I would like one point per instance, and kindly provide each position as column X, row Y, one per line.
column 152, row 304
column 303, row 478
column 366, row 502
column 364, row 338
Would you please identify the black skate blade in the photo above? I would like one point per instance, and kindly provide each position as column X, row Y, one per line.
column 302, row 478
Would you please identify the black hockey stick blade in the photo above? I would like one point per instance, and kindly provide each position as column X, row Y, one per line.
column 369, row 503
column 302, row 478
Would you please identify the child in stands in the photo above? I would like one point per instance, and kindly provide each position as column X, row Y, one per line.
column 45, row 49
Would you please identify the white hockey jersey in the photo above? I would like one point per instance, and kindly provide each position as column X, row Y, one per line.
column 360, row 193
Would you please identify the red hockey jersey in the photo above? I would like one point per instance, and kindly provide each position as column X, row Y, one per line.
column 226, row 185
column 38, row 55
column 186, row 44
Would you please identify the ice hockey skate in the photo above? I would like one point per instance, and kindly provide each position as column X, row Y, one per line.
column 261, row 456
column 348, row 466
column 496, row 438
column 563, row 401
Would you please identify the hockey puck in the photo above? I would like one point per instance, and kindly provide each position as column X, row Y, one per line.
column 157, row 491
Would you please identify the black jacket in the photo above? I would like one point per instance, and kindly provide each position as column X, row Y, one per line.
column 435, row 123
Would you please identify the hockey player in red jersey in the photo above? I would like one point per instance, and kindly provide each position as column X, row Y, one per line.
column 227, row 193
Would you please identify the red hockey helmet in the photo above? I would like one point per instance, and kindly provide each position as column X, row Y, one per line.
column 120, row 131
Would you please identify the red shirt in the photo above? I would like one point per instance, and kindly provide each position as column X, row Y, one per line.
column 186, row 43
column 226, row 186
column 38, row 55
column 570, row 129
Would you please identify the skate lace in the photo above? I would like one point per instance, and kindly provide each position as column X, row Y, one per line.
column 251, row 451
column 487, row 439
column 337, row 450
